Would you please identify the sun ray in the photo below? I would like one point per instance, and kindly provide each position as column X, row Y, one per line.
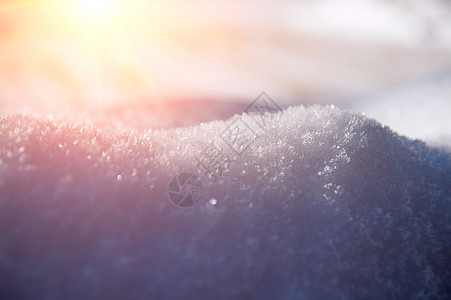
column 11, row 5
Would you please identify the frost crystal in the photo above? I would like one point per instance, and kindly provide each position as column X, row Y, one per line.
column 322, row 204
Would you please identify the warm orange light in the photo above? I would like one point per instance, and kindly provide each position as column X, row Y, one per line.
column 102, row 52
column 94, row 10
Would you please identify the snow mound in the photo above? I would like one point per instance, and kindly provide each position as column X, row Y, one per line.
column 314, row 203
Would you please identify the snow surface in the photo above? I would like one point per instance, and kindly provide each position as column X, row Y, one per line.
column 418, row 110
column 323, row 204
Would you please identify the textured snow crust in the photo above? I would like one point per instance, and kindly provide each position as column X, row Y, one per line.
column 323, row 204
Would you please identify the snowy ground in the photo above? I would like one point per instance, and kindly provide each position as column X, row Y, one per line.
column 316, row 202
column 322, row 204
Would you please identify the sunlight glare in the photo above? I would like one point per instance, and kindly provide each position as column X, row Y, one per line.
column 95, row 10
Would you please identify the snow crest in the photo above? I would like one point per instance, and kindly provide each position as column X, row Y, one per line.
column 318, row 203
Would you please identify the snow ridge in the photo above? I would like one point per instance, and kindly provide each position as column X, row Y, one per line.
column 322, row 204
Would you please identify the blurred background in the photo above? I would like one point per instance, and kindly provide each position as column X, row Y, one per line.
column 389, row 59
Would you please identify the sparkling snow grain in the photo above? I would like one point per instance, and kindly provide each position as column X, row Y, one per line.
column 323, row 204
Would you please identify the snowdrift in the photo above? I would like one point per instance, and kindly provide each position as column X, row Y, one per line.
column 308, row 203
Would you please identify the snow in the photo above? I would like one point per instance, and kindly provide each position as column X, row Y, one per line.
column 322, row 204
column 419, row 110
